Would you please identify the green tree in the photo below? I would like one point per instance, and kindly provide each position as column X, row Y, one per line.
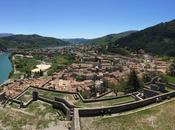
column 41, row 73
column 93, row 91
column 28, row 73
column 172, row 68
column 133, row 84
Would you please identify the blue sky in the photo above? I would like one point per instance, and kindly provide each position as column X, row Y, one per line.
column 82, row 18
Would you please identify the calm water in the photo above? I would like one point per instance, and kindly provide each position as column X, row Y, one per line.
column 5, row 67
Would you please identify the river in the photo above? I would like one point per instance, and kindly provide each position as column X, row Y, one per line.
column 5, row 67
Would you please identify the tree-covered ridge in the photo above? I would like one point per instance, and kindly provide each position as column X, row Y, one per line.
column 159, row 39
column 101, row 40
column 109, row 38
column 30, row 41
column 76, row 40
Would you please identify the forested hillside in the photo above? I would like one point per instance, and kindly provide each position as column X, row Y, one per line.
column 30, row 41
column 159, row 39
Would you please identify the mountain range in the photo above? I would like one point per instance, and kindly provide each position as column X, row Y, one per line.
column 76, row 40
column 29, row 41
column 158, row 39
column 5, row 34
column 8, row 40
column 101, row 40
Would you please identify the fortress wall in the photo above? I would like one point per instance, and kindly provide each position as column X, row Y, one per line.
column 124, row 107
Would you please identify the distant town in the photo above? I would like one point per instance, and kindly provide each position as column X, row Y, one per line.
column 88, row 68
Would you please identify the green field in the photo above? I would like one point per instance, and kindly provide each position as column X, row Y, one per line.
column 25, row 64
column 110, row 96
column 49, row 94
column 157, row 118
column 104, row 103
column 22, row 66
column 26, row 97
column 60, row 61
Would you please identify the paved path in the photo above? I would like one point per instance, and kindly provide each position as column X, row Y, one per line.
column 76, row 120
column 24, row 112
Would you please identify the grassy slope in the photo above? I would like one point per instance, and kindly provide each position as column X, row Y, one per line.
column 158, row 118
column 39, row 117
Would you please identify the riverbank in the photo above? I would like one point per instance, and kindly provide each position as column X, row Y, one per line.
column 5, row 67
